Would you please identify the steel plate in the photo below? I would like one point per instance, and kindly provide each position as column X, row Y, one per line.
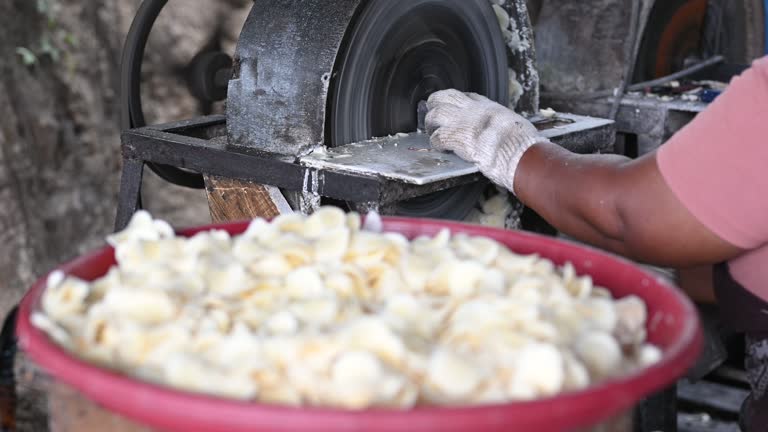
column 409, row 158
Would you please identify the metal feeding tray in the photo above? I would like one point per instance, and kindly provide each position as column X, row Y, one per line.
column 375, row 173
column 409, row 158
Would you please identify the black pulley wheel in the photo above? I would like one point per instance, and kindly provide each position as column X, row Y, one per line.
column 680, row 32
column 397, row 53
column 735, row 29
column 206, row 77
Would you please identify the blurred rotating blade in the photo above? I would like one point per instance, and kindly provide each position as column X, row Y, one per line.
column 398, row 52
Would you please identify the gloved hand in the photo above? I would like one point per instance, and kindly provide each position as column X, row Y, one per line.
column 480, row 131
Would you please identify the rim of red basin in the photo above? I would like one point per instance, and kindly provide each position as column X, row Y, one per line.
column 673, row 325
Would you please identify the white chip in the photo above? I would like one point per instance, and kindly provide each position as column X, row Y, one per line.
column 325, row 311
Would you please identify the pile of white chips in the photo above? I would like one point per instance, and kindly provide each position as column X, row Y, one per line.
column 317, row 311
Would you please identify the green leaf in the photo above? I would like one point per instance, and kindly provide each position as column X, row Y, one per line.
column 71, row 40
column 28, row 58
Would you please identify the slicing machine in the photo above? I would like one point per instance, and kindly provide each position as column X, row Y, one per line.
column 323, row 102
column 313, row 82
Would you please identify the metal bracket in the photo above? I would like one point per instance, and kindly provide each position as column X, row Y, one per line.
column 651, row 119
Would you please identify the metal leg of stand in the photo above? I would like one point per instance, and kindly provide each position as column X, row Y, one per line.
column 130, row 192
column 658, row 412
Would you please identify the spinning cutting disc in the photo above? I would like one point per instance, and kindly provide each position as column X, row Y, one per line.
column 398, row 52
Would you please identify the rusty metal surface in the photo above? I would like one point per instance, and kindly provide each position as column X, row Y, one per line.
column 332, row 73
column 583, row 46
column 283, row 62
column 567, row 32
column 652, row 120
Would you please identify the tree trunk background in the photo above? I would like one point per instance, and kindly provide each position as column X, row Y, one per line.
column 59, row 130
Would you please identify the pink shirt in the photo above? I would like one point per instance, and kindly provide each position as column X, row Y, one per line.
column 717, row 166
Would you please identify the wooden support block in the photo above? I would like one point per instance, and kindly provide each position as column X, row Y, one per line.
column 233, row 199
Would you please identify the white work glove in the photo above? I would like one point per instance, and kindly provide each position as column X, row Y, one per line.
column 482, row 132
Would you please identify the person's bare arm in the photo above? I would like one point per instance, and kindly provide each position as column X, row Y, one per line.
column 609, row 201
column 618, row 204
column 698, row 283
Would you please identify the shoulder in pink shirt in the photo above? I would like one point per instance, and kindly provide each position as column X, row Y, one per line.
column 717, row 166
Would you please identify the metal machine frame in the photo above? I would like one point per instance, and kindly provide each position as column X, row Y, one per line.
column 200, row 145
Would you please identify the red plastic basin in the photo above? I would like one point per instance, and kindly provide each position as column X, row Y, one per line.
column 673, row 326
